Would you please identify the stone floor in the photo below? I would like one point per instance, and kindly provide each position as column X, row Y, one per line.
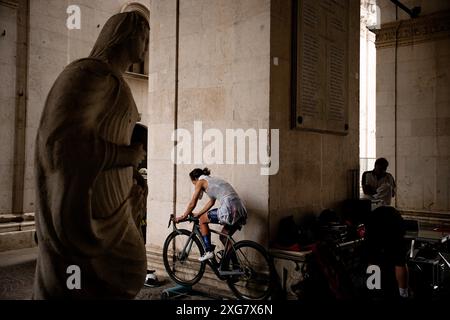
column 16, row 280
column 17, row 273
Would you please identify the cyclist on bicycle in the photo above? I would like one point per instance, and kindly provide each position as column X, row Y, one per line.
column 231, row 213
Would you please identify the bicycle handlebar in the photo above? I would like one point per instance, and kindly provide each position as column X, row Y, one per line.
column 189, row 219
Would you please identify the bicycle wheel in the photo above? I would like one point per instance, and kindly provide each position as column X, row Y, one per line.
column 253, row 260
column 180, row 255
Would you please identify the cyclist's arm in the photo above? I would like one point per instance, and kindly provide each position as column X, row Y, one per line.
column 193, row 202
column 206, row 208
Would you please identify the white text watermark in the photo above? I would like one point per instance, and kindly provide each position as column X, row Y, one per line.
column 74, row 19
column 229, row 146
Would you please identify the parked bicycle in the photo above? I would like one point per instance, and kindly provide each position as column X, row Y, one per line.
column 245, row 266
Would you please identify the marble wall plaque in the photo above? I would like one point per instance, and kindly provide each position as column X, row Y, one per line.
column 321, row 41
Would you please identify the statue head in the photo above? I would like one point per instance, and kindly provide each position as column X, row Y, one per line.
column 124, row 34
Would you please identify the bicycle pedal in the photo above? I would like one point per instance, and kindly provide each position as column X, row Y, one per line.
column 230, row 272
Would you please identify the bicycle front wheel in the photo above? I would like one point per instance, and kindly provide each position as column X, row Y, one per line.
column 180, row 255
column 255, row 280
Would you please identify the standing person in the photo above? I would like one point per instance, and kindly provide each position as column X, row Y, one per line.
column 231, row 213
column 379, row 184
column 386, row 247
column 84, row 172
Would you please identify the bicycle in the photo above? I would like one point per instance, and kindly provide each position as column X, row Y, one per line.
column 246, row 266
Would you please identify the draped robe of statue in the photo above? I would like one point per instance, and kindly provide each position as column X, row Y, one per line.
column 84, row 214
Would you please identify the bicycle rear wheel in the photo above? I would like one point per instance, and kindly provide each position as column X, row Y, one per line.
column 180, row 255
column 255, row 282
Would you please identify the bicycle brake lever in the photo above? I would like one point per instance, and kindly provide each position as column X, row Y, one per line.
column 170, row 220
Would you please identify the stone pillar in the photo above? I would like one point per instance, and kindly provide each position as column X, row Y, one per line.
column 223, row 82
column 413, row 114
column 367, row 120
column 314, row 165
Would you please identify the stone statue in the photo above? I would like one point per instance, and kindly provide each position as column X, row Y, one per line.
column 89, row 244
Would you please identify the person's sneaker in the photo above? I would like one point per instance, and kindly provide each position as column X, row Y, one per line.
column 208, row 255
column 151, row 280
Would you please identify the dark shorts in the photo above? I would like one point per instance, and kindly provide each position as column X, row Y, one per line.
column 213, row 216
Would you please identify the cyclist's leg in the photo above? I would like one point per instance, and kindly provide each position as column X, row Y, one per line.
column 229, row 230
column 205, row 219
column 204, row 230
column 213, row 216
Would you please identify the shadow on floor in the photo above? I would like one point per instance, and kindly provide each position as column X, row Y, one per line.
column 17, row 273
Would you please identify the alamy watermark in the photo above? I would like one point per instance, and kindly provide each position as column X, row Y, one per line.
column 74, row 19
column 230, row 146
column 374, row 279
column 74, row 279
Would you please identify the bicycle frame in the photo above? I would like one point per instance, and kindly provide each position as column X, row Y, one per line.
column 215, row 266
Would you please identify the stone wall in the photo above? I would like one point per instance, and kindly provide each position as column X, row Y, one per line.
column 8, row 45
column 413, row 118
column 52, row 46
column 223, row 72
column 314, row 167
